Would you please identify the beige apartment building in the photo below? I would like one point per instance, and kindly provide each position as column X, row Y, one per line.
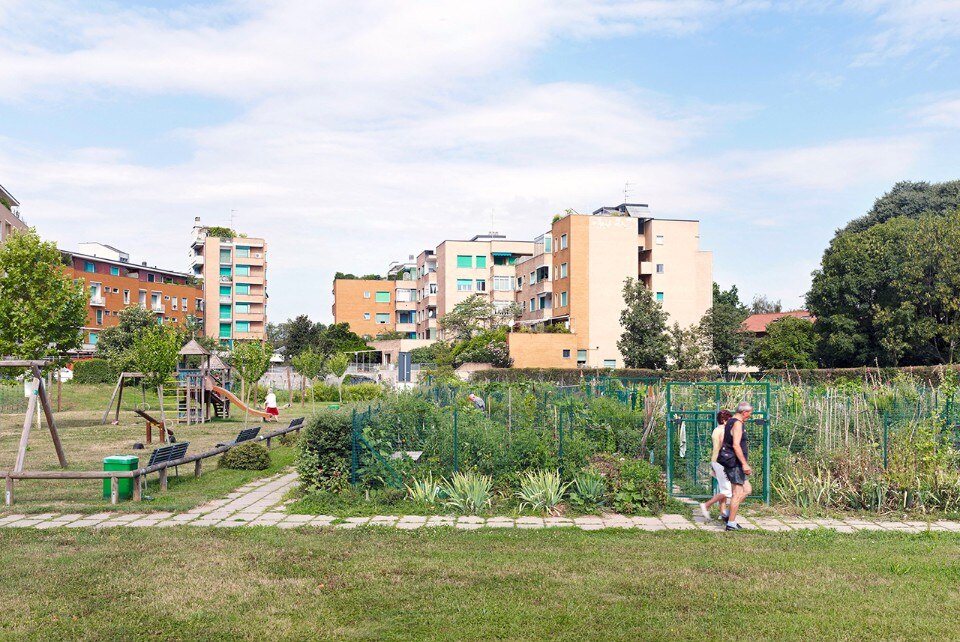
column 10, row 220
column 571, row 275
column 234, row 273
column 375, row 307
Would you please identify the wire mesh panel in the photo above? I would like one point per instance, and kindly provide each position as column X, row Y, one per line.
column 691, row 417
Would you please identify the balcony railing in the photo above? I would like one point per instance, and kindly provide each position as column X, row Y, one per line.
column 225, row 299
column 226, row 279
column 159, row 308
column 97, row 301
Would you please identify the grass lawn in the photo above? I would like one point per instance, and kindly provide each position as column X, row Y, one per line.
column 86, row 442
column 268, row 583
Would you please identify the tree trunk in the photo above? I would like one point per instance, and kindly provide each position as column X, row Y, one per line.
column 163, row 415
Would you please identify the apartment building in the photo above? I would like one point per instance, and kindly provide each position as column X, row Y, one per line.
column 577, row 273
column 10, row 220
column 572, row 275
column 234, row 272
column 114, row 283
column 377, row 306
column 457, row 270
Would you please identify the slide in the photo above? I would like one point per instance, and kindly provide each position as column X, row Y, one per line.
column 239, row 404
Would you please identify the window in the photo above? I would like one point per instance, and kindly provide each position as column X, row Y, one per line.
column 547, row 245
column 366, row 316
column 383, row 318
column 481, row 285
column 660, row 297
column 114, row 270
column 116, row 291
column 224, row 330
column 581, row 356
column 366, row 295
column 243, row 270
column 173, row 304
column 151, row 278
column 142, row 298
column 533, row 305
column 464, row 285
column 504, row 283
column 94, row 337
column 99, row 317
column 519, row 282
column 225, row 271
column 533, row 278
column 199, row 305
column 464, row 261
column 659, row 268
column 405, row 317
column 563, row 241
column 566, row 354
column 126, row 297
column 659, row 239
column 563, row 299
column 481, row 261
column 433, row 288
column 242, row 308
column 89, row 267
column 543, row 302
column 183, row 301
column 244, row 288
column 243, row 326
column 243, row 252
column 382, row 297
column 563, row 270
column 225, row 256
column 609, row 363
column 225, row 311
column 405, row 295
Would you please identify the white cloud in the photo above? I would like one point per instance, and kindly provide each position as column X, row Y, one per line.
column 941, row 113
column 907, row 26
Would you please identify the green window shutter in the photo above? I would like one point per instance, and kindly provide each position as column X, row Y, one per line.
column 224, row 311
column 660, row 297
column 382, row 297
column 243, row 270
column 243, row 326
column 464, row 261
column 224, row 271
column 224, row 290
column 243, row 288
column 481, row 261
column 224, row 330
column 464, row 285
column 383, row 318
column 243, row 308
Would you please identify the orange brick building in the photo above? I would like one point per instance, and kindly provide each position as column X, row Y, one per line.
column 113, row 283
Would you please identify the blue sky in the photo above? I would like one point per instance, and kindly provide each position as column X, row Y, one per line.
column 353, row 134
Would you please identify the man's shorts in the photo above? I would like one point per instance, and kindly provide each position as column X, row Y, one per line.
column 723, row 484
column 736, row 475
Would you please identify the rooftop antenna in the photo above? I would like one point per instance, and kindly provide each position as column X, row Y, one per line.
column 626, row 192
column 232, row 213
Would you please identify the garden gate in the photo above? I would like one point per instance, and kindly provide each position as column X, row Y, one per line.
column 691, row 417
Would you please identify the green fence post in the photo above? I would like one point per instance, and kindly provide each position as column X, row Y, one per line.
column 456, row 454
column 766, row 458
column 669, row 446
column 560, row 449
column 354, row 458
column 886, row 438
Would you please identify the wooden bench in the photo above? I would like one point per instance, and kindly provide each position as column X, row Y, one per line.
column 164, row 454
column 245, row 435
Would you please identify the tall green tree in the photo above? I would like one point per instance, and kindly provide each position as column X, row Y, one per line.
column 644, row 342
column 472, row 315
column 688, row 348
column 722, row 326
column 310, row 364
column 790, row 343
column 155, row 353
column 41, row 309
column 909, row 199
column 297, row 335
column 762, row 305
column 116, row 342
column 337, row 364
column 250, row 360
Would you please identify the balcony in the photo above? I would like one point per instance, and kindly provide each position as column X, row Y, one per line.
column 406, row 305
column 97, row 301
column 406, row 327
column 226, row 279
column 646, row 267
column 159, row 308
column 225, row 299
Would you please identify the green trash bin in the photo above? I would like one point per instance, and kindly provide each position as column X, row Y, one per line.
column 333, row 406
column 125, row 484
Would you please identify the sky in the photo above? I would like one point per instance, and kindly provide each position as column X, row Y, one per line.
column 352, row 134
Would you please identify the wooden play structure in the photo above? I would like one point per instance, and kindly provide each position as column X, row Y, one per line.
column 200, row 391
column 38, row 397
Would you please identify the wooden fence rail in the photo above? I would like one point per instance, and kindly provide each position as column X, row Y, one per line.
column 115, row 475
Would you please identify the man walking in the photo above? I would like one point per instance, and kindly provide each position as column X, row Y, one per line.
column 733, row 458
column 724, row 490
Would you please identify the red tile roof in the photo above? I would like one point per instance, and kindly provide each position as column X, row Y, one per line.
column 758, row 323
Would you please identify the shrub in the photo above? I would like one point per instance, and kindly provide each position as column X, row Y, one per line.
column 587, row 490
column 468, row 493
column 249, row 456
column 93, row 371
column 289, row 438
column 323, row 454
column 542, row 490
column 640, row 489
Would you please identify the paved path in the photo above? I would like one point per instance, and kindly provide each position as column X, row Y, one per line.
column 260, row 503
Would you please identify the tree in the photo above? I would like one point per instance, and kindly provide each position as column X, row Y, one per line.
column 722, row 326
column 911, row 200
column 41, row 309
column 250, row 360
column 644, row 343
column 298, row 335
column 155, row 354
column 311, row 365
column 467, row 318
column 488, row 346
column 687, row 347
column 507, row 315
column 116, row 342
column 340, row 338
column 762, row 305
column 391, row 335
column 790, row 343
column 337, row 364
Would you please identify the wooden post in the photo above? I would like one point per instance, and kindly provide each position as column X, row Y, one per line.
column 163, row 479
column 59, row 388
column 8, row 497
column 163, row 414
column 268, row 441
column 137, row 494
column 106, row 413
column 48, row 413
column 196, row 469
column 114, row 490
column 25, row 435
column 149, row 432
column 116, row 416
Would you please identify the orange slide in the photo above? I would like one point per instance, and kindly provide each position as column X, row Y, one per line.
column 239, row 404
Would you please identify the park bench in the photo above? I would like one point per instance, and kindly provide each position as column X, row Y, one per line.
column 165, row 454
column 245, row 435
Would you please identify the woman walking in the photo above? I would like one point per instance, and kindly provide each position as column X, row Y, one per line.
column 724, row 489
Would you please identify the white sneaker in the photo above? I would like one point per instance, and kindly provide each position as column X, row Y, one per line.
column 704, row 511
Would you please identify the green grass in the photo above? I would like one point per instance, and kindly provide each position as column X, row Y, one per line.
column 438, row 584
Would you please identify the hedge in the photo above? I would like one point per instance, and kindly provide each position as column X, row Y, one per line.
column 93, row 371
column 931, row 375
column 249, row 456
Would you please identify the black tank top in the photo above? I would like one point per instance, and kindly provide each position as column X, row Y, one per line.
column 727, row 447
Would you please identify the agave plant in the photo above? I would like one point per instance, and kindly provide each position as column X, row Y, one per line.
column 424, row 491
column 542, row 490
column 588, row 489
column 468, row 492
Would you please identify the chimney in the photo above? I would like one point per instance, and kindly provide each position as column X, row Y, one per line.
column 144, row 264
